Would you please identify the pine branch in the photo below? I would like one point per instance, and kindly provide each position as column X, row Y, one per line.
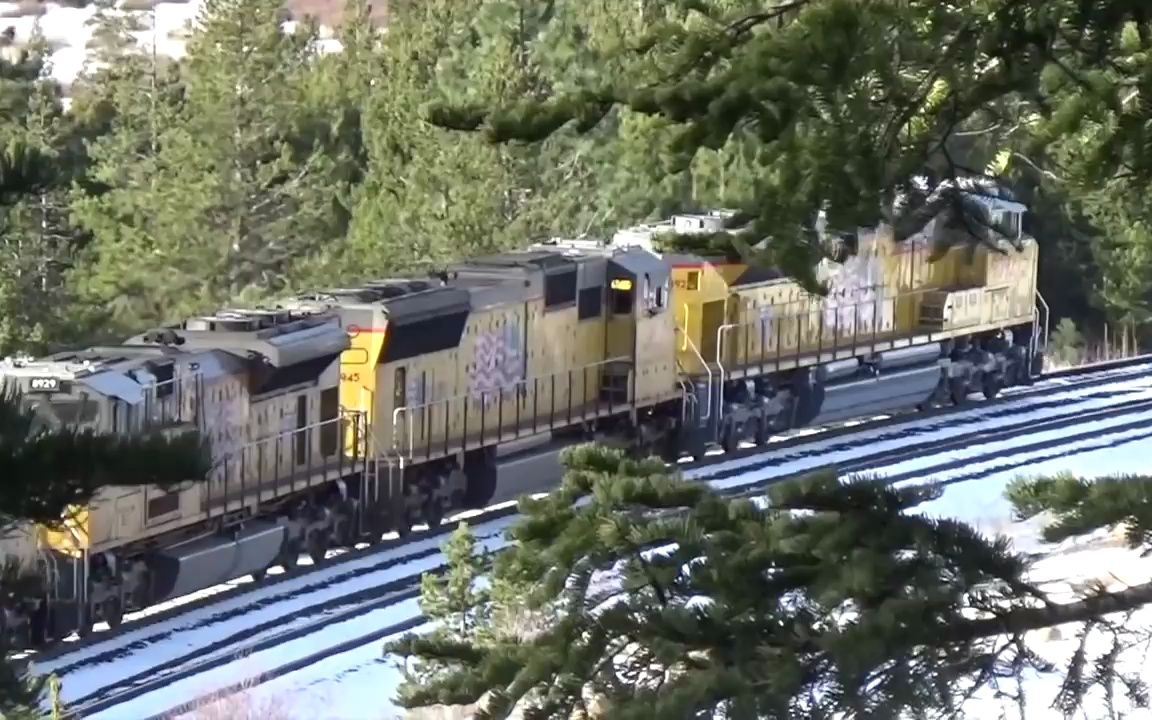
column 1022, row 620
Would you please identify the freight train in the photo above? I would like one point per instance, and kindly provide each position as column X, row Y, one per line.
column 347, row 413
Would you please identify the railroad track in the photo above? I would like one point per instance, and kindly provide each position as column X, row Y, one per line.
column 1055, row 383
column 1065, row 419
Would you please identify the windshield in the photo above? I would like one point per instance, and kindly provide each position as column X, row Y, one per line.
column 62, row 412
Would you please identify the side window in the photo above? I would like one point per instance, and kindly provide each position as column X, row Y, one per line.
column 655, row 296
column 400, row 389
column 622, row 296
column 662, row 293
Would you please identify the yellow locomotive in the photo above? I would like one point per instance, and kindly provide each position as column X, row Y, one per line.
column 347, row 413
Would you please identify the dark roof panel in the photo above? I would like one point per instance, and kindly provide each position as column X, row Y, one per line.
column 427, row 304
column 639, row 262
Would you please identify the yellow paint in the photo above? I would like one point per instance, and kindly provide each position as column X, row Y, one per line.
column 972, row 288
column 693, row 288
column 72, row 536
column 358, row 365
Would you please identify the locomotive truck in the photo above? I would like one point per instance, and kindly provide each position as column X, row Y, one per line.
column 346, row 413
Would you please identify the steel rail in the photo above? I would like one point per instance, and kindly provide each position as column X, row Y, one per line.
column 370, row 599
column 1085, row 376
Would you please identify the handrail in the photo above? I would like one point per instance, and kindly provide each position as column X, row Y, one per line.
column 687, row 312
column 1047, row 318
column 408, row 430
column 485, row 395
column 342, row 416
column 688, row 396
column 720, row 363
column 370, row 427
column 518, row 383
column 881, row 303
column 708, row 405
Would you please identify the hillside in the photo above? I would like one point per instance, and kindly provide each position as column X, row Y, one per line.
column 66, row 25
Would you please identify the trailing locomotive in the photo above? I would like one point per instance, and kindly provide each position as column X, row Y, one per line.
column 347, row 413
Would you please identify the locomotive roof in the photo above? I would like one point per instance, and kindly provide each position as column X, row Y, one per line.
column 278, row 337
column 527, row 259
column 479, row 282
column 115, row 371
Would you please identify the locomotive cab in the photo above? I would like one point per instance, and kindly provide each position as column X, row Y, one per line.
column 56, row 403
column 639, row 327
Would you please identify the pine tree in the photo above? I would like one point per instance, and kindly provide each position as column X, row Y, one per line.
column 220, row 180
column 841, row 107
column 48, row 467
column 823, row 599
column 41, row 157
column 454, row 599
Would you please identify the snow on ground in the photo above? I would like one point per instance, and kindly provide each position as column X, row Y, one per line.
column 165, row 647
column 359, row 684
column 245, row 622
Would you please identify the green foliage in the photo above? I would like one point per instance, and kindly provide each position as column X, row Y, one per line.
column 456, row 601
column 256, row 164
column 1066, row 344
column 228, row 163
column 831, row 598
column 40, row 155
column 21, row 692
column 811, row 92
column 1079, row 506
column 454, row 598
column 47, row 468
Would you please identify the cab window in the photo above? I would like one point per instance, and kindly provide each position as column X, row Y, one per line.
column 623, row 296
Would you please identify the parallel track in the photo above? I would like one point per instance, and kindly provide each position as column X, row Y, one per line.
column 1052, row 383
column 1081, row 377
column 318, row 616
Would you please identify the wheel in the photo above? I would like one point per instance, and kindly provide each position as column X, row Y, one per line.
column 958, row 391
column 990, row 385
column 39, row 619
column 259, row 575
column 729, row 438
column 112, row 611
column 343, row 534
column 697, row 446
column 433, row 513
column 318, row 545
column 344, row 525
column 374, row 526
column 290, row 556
column 402, row 522
column 1012, row 372
column 763, row 430
column 83, row 621
column 481, row 475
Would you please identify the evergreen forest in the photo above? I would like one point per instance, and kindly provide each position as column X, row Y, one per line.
column 255, row 165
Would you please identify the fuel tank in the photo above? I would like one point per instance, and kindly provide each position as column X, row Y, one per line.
column 209, row 561
column 897, row 380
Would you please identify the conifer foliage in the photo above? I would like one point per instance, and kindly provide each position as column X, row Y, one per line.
column 47, row 467
column 866, row 111
column 822, row 599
